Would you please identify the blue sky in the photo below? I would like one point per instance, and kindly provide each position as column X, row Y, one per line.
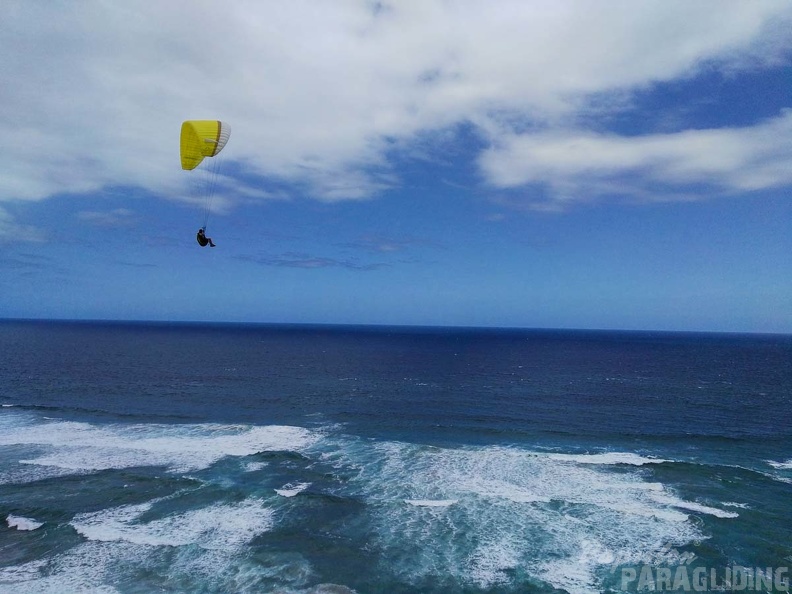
column 622, row 165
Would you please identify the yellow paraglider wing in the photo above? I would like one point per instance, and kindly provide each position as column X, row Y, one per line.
column 202, row 138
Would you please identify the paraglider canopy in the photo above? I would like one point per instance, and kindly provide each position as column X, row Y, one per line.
column 200, row 139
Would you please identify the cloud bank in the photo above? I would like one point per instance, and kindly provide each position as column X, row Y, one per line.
column 577, row 164
column 321, row 95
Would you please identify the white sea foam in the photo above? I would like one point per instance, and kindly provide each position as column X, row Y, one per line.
column 90, row 567
column 26, row 572
column 218, row 526
column 21, row 523
column 83, row 570
column 607, row 458
column 574, row 573
column 431, row 502
column 329, row 589
column 670, row 500
column 292, row 489
column 781, row 465
column 491, row 561
column 180, row 448
column 579, row 511
column 254, row 466
column 481, row 516
column 25, row 473
column 501, row 489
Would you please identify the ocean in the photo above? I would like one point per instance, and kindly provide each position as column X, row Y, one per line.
column 221, row 458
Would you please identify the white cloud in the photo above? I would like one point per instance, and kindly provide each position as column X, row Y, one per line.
column 580, row 165
column 118, row 217
column 92, row 94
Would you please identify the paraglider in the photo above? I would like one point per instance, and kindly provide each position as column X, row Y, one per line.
column 201, row 140
column 203, row 239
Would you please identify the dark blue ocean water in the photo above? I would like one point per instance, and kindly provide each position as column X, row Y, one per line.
column 238, row 458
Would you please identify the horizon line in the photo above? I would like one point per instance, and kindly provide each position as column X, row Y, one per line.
column 382, row 326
